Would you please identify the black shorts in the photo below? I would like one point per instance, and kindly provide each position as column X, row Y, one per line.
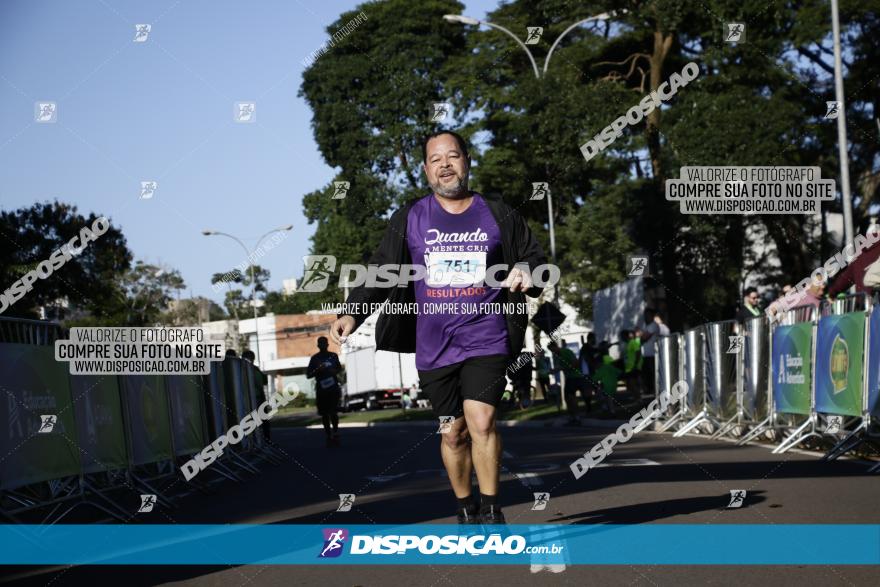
column 482, row 379
column 327, row 401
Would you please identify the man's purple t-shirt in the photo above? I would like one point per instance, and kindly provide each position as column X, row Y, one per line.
column 455, row 249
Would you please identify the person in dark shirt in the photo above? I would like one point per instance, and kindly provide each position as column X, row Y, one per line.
column 589, row 354
column 323, row 368
column 749, row 308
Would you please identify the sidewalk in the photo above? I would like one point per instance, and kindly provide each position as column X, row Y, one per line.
column 547, row 423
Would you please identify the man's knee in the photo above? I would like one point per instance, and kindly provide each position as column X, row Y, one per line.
column 456, row 438
column 481, row 423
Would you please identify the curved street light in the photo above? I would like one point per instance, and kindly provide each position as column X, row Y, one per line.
column 603, row 16
column 461, row 19
column 248, row 253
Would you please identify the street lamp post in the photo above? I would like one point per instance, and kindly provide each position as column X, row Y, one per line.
column 848, row 233
column 248, row 254
column 458, row 18
column 476, row 22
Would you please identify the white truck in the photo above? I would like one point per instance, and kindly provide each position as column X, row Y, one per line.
column 376, row 379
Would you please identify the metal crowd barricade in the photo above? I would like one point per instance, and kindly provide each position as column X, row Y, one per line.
column 807, row 429
column 24, row 331
column 693, row 364
column 667, row 372
column 861, row 434
column 723, row 374
column 810, row 428
column 778, row 418
column 716, row 397
column 754, row 404
column 108, row 433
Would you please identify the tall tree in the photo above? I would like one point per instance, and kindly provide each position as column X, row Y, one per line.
column 87, row 281
column 754, row 103
column 371, row 96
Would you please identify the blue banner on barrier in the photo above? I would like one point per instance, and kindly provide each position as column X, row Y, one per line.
column 288, row 544
column 874, row 364
column 840, row 344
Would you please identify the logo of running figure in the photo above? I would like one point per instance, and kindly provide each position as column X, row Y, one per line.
column 340, row 189
column 148, row 189
column 533, row 34
column 638, row 266
column 47, row 423
column 834, row 424
column 441, row 111
column 736, row 32
column 832, row 110
column 334, row 540
column 737, row 498
column 147, row 503
column 318, row 269
column 735, row 344
column 540, row 189
column 541, row 501
column 141, row 32
column 245, row 112
column 346, row 500
column 45, row 112
column 445, row 424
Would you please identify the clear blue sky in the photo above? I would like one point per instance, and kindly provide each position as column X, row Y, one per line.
column 163, row 110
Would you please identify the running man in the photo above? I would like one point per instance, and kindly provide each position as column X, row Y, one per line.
column 461, row 357
column 323, row 367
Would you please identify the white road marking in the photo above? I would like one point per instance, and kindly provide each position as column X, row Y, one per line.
column 386, row 478
column 530, row 479
column 629, row 463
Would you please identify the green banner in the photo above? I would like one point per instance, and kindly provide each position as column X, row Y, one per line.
column 840, row 356
column 792, row 367
column 187, row 413
column 38, row 440
column 148, row 418
column 100, row 427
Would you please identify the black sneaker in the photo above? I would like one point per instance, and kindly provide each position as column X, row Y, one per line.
column 468, row 516
column 492, row 515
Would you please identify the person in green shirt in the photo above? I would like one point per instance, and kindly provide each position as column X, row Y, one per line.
column 574, row 380
column 632, row 364
column 606, row 376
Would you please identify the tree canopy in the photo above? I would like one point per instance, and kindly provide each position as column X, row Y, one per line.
column 757, row 102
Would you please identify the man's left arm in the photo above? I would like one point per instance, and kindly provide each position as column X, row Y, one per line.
column 528, row 252
column 337, row 366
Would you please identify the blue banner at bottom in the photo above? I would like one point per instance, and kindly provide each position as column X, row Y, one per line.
column 286, row 544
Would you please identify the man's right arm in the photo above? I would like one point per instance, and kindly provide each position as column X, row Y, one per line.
column 363, row 296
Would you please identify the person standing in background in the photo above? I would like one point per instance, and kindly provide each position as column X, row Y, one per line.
column 654, row 328
column 323, row 368
column 574, row 380
column 749, row 308
column 542, row 370
column 632, row 363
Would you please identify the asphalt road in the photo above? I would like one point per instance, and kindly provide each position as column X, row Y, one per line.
column 395, row 472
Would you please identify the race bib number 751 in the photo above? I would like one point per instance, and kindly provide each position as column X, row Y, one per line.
column 456, row 269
